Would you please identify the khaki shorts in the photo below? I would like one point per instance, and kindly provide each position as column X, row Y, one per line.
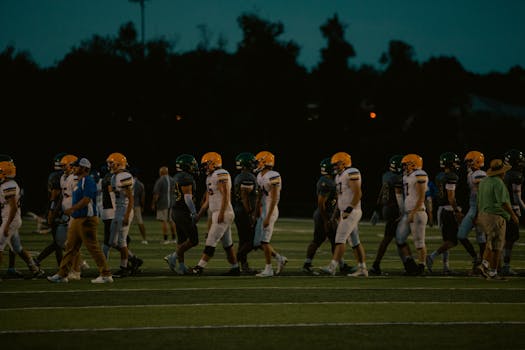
column 494, row 227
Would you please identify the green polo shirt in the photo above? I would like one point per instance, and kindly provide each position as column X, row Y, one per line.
column 492, row 193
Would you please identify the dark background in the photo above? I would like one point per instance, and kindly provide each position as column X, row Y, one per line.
column 113, row 94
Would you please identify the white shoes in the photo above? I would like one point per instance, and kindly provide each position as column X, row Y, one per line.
column 361, row 272
column 144, row 242
column 73, row 275
column 56, row 278
column 265, row 273
column 102, row 279
column 280, row 264
column 328, row 270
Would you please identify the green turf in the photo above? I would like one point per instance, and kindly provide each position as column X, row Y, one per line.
column 157, row 309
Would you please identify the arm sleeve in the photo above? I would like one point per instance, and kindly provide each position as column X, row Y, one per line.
column 188, row 199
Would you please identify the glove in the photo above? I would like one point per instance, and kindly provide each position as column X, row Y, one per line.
column 375, row 218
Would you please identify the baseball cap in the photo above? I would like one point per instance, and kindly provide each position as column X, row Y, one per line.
column 83, row 162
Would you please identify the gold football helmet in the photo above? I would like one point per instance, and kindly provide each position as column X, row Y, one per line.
column 116, row 161
column 66, row 162
column 264, row 159
column 211, row 161
column 340, row 161
column 474, row 160
column 7, row 170
column 411, row 162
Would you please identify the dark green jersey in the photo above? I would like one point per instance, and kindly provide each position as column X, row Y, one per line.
column 248, row 181
column 445, row 181
column 183, row 179
column 390, row 181
column 326, row 187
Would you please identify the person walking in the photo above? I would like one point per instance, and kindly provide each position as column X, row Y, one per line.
column 494, row 210
column 267, row 208
column 84, row 226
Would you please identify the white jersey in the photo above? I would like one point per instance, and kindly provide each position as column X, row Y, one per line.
column 345, row 195
column 266, row 182
column 67, row 184
column 120, row 182
column 473, row 179
column 410, row 184
column 213, row 180
column 8, row 189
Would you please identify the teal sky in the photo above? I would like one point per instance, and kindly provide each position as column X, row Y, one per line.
column 484, row 35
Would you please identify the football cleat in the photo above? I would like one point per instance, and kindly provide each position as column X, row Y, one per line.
column 281, row 262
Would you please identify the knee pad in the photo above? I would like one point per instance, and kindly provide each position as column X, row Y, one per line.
column 209, row 250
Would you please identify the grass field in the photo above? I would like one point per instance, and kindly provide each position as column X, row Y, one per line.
column 159, row 310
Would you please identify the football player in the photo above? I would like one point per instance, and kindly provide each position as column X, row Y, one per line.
column 415, row 217
column 267, row 209
column 449, row 213
column 184, row 211
column 513, row 180
column 217, row 203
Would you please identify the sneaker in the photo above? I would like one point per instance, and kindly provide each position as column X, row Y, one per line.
column 84, row 265
column 197, row 270
column 123, row 272
column 182, row 270
column 506, row 270
column 361, row 272
column 14, row 273
column 483, row 269
column 345, row 268
column 171, row 259
column 144, row 242
column 375, row 270
column 234, row 271
column 429, row 261
column 102, row 279
column 38, row 273
column 73, row 275
column 56, row 278
column 265, row 273
column 165, row 242
column 136, row 262
column 280, row 264
column 328, row 270
column 308, row 268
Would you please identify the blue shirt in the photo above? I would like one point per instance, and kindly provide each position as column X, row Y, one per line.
column 86, row 187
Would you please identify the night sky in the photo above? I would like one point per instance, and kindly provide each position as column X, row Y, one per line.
column 484, row 35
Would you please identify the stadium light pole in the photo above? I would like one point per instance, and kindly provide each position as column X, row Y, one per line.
column 142, row 25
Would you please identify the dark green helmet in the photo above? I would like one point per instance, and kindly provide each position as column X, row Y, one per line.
column 187, row 163
column 326, row 166
column 245, row 160
column 515, row 158
column 5, row 158
column 394, row 164
column 449, row 160
column 57, row 160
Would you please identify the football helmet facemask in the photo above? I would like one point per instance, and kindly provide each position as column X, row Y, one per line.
column 57, row 165
column 245, row 160
column 326, row 167
column 211, row 161
column 116, row 161
column 411, row 162
column 264, row 159
column 515, row 158
column 474, row 160
column 394, row 164
column 340, row 161
column 187, row 163
column 449, row 160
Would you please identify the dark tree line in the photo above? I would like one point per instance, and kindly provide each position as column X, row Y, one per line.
column 152, row 103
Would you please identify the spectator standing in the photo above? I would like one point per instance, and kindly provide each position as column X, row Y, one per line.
column 161, row 204
column 139, row 200
column 494, row 210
